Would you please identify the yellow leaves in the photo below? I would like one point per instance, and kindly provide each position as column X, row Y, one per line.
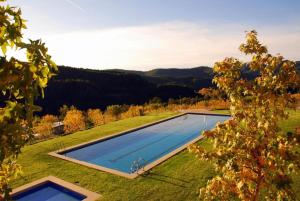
column 21, row 81
column 4, row 48
column 44, row 127
column 95, row 116
column 240, row 185
column 42, row 82
column 33, row 68
column 74, row 121
column 208, row 134
column 252, row 45
column 9, row 170
column 45, row 71
column 134, row 111
column 252, row 135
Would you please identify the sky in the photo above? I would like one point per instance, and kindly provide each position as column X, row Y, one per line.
column 147, row 34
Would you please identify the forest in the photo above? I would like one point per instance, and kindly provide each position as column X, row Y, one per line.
column 86, row 88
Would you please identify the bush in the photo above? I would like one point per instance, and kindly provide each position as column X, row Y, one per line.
column 115, row 111
column 74, row 121
column 44, row 127
column 95, row 117
column 296, row 100
column 134, row 111
column 63, row 111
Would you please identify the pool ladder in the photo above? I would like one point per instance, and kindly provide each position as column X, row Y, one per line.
column 137, row 165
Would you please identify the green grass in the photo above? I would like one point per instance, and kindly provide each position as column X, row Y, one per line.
column 178, row 178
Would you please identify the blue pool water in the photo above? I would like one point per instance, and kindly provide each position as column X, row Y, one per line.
column 146, row 144
column 49, row 191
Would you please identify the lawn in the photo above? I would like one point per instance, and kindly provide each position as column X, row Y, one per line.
column 178, row 178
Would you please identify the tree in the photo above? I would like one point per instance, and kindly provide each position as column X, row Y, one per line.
column 95, row 117
column 154, row 104
column 74, row 121
column 155, row 100
column 45, row 127
column 114, row 110
column 63, row 111
column 172, row 101
column 209, row 93
column 253, row 157
column 133, row 111
column 20, row 83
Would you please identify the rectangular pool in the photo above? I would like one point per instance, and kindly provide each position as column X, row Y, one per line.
column 142, row 148
column 52, row 189
column 49, row 191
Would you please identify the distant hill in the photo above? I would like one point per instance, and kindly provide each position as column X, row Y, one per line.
column 86, row 88
column 194, row 78
column 180, row 73
column 169, row 72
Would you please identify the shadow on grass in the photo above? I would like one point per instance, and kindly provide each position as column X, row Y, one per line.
column 166, row 179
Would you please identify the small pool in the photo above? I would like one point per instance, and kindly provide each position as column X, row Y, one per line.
column 144, row 147
column 49, row 191
column 52, row 189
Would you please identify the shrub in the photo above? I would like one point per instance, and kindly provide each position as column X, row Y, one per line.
column 95, row 117
column 45, row 126
column 63, row 111
column 115, row 111
column 134, row 111
column 74, row 121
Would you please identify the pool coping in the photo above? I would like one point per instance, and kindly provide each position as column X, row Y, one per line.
column 90, row 196
column 58, row 154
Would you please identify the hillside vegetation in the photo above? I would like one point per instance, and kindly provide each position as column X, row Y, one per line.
column 86, row 88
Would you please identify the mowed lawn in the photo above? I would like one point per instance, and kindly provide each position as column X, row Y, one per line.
column 178, row 178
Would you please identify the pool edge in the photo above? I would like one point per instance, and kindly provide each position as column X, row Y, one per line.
column 58, row 154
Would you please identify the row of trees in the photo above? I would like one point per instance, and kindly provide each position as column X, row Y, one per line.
column 74, row 120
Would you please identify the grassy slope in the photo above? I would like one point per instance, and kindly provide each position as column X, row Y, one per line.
column 179, row 178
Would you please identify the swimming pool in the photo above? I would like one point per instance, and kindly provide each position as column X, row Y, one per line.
column 140, row 149
column 52, row 189
column 49, row 192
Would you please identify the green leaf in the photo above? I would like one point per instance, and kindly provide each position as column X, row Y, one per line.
column 33, row 68
column 4, row 48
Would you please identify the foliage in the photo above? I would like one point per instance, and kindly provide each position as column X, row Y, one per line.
column 115, row 111
column 155, row 100
column 172, row 101
column 210, row 93
column 296, row 100
column 134, row 111
column 253, row 157
column 20, row 83
column 74, row 121
column 44, row 128
column 95, row 116
column 64, row 109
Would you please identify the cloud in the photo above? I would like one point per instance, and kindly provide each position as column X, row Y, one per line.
column 173, row 44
